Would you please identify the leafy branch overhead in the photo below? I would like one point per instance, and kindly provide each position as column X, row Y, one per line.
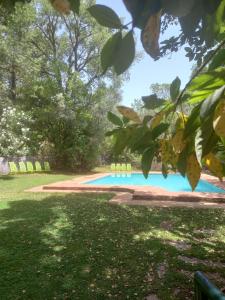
column 200, row 21
column 183, row 143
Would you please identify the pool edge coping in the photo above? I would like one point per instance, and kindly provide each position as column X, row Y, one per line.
column 138, row 195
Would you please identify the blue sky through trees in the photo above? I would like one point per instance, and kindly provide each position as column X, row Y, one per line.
column 147, row 71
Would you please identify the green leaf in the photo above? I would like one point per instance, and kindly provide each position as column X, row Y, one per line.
column 146, row 119
column 109, row 51
column 205, row 84
column 198, row 146
column 137, row 138
column 147, row 158
column 112, row 132
column 213, row 23
column 75, row 6
column 182, row 161
column 193, row 122
column 218, row 60
column 209, row 105
column 158, row 130
column 198, row 96
column 211, row 6
column 164, row 171
column 105, row 16
column 114, row 119
column 125, row 53
column 125, row 120
column 122, row 136
column 152, row 101
column 210, row 139
column 175, row 89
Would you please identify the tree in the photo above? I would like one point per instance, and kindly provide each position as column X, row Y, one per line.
column 15, row 132
column 67, row 90
column 195, row 141
column 17, row 59
column 162, row 90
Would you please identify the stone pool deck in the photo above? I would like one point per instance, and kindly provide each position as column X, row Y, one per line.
column 141, row 195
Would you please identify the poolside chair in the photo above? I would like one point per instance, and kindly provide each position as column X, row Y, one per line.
column 129, row 168
column 123, row 167
column 118, row 167
column 30, row 167
column 38, row 167
column 13, row 168
column 113, row 167
column 22, row 166
column 47, row 166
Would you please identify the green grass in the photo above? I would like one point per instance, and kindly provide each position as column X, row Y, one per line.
column 78, row 246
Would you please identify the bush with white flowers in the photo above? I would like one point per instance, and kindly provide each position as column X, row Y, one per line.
column 14, row 132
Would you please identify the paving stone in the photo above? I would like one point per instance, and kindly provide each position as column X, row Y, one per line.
column 186, row 273
column 215, row 277
column 167, row 225
column 161, row 269
column 176, row 292
column 179, row 245
column 197, row 261
column 204, row 231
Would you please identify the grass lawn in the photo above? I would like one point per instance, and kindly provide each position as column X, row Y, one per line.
column 78, row 246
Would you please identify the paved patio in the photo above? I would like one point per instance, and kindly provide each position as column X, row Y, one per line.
column 141, row 195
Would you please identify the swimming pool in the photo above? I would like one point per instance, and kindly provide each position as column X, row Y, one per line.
column 173, row 183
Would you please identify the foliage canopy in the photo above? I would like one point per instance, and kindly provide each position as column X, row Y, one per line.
column 184, row 142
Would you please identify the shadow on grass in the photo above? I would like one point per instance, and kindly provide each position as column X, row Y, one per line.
column 7, row 177
column 80, row 247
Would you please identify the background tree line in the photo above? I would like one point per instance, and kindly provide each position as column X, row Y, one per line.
column 54, row 96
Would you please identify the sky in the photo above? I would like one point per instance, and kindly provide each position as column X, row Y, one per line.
column 147, row 71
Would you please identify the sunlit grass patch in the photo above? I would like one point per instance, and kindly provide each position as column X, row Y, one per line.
column 77, row 246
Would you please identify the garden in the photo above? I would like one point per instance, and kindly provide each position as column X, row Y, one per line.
column 78, row 246
column 79, row 215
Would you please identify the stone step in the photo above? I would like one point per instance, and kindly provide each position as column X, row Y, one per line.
column 86, row 188
column 139, row 195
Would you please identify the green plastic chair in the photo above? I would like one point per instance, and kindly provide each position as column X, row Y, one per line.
column 47, row 166
column 22, row 166
column 30, row 167
column 113, row 167
column 38, row 167
column 118, row 167
column 13, row 167
column 129, row 168
column 123, row 167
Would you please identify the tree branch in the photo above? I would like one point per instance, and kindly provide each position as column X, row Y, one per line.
column 199, row 71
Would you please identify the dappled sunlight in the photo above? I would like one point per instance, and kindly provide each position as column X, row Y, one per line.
column 54, row 232
column 6, row 177
column 159, row 233
column 68, row 241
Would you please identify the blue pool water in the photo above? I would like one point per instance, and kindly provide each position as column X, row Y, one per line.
column 173, row 183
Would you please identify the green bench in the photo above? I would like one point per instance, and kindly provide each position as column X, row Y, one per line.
column 28, row 167
column 22, row 167
column 205, row 290
column 120, row 167
column 13, row 167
